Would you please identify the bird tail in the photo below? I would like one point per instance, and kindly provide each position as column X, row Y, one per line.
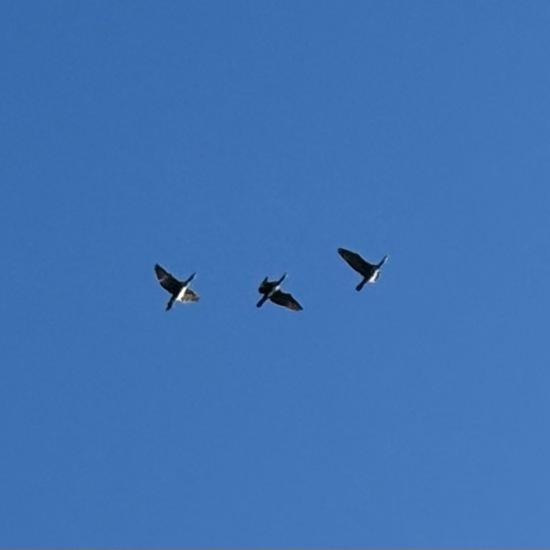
column 189, row 279
column 361, row 284
column 382, row 261
column 170, row 302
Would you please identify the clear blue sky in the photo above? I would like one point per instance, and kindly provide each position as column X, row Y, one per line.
column 243, row 139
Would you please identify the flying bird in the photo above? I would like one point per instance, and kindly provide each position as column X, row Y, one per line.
column 370, row 272
column 271, row 290
column 179, row 290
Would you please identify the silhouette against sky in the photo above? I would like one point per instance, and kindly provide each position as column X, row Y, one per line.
column 246, row 139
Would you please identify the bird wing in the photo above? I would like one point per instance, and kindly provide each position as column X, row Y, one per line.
column 167, row 280
column 286, row 300
column 190, row 296
column 356, row 262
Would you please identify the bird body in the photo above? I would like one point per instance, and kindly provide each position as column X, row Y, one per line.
column 370, row 272
column 179, row 290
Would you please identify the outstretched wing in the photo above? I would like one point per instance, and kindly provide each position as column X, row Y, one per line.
column 286, row 300
column 190, row 296
column 356, row 262
column 167, row 280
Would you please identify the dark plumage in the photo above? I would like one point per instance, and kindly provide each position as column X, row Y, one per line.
column 370, row 272
column 179, row 290
column 271, row 291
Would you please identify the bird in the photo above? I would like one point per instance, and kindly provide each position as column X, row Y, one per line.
column 271, row 290
column 370, row 272
column 179, row 290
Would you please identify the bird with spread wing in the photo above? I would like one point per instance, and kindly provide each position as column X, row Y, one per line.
column 370, row 272
column 271, row 290
column 179, row 290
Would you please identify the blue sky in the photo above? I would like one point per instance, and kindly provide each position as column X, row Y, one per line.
column 249, row 138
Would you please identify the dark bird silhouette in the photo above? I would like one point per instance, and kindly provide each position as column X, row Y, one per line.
column 179, row 290
column 271, row 290
column 370, row 272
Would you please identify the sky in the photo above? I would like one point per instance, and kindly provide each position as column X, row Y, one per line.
column 246, row 139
